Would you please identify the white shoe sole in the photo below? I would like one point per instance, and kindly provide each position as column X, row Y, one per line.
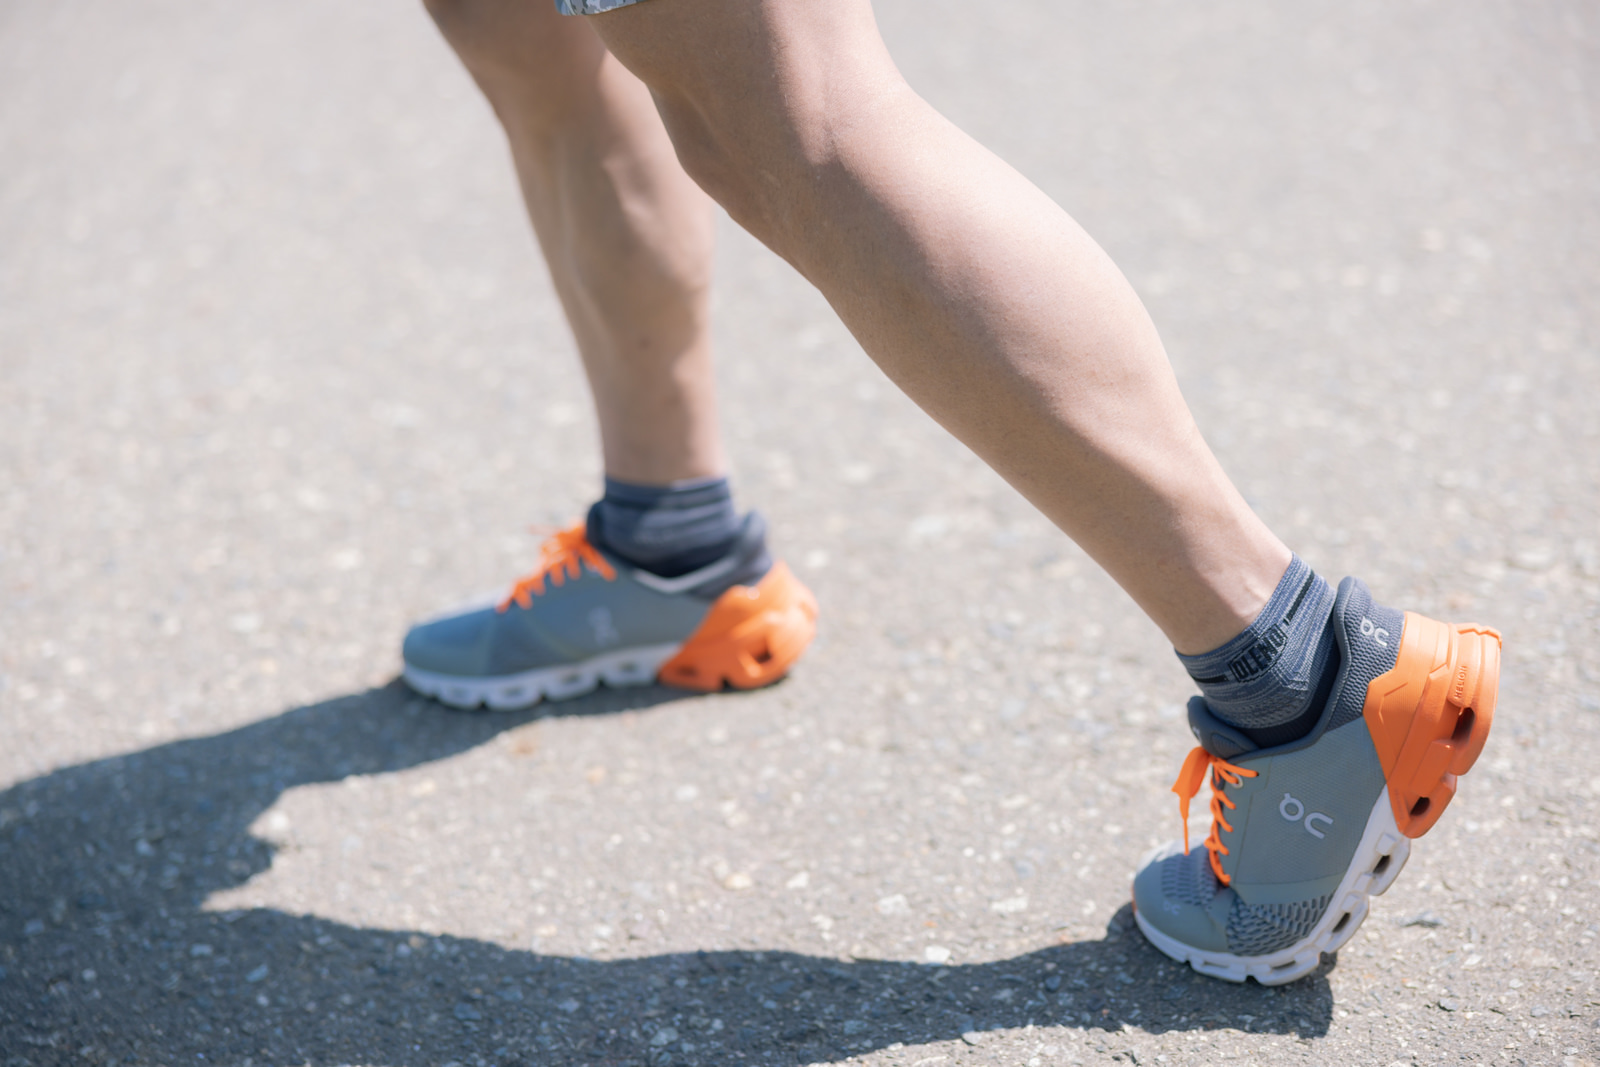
column 1383, row 851
column 512, row 692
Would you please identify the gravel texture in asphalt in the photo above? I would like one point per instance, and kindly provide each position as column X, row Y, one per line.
column 280, row 371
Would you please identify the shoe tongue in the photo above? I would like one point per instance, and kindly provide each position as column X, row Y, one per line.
column 1214, row 735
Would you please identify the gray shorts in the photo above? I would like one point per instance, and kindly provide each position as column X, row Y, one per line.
column 590, row 7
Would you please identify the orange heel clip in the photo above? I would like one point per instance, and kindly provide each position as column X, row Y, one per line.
column 752, row 635
column 1430, row 715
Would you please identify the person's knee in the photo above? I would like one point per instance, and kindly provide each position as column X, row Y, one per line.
column 710, row 157
column 761, row 100
column 474, row 28
column 522, row 53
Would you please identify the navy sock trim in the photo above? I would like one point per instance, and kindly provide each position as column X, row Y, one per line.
column 668, row 530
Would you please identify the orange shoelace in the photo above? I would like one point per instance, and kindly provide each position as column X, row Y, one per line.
column 562, row 556
column 1223, row 774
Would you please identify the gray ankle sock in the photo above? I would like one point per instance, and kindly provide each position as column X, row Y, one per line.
column 1271, row 681
column 667, row 530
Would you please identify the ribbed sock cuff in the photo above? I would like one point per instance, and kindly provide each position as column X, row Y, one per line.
column 668, row 530
column 1265, row 680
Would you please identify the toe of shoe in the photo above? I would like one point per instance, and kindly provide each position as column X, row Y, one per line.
column 451, row 645
column 1149, row 899
column 1170, row 913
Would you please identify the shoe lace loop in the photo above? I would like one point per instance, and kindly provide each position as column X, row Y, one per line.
column 562, row 556
column 1222, row 774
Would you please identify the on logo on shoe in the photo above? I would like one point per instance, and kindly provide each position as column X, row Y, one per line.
column 1299, row 815
column 605, row 630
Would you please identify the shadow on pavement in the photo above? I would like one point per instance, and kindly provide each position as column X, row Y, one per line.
column 105, row 866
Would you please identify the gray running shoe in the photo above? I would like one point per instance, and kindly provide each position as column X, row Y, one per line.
column 583, row 617
column 1305, row 834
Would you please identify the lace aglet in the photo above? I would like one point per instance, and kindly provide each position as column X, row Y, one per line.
column 1188, row 784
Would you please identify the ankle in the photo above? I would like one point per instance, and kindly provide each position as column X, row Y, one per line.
column 1271, row 681
column 667, row 530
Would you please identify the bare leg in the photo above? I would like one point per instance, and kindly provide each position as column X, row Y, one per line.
column 626, row 233
column 979, row 296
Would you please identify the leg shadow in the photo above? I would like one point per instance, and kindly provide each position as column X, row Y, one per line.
column 106, row 953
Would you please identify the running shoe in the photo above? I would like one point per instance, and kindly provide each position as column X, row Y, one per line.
column 1303, row 835
column 584, row 616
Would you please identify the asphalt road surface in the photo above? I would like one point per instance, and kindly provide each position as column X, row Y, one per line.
column 280, row 371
